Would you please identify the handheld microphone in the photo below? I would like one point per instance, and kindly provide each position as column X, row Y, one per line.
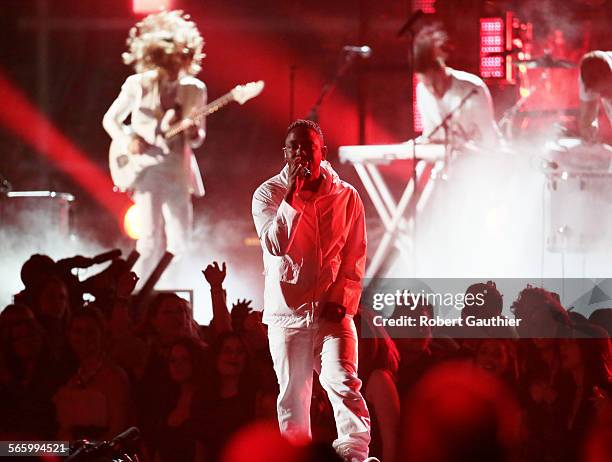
column 364, row 51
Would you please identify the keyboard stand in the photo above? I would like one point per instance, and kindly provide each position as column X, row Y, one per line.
column 396, row 217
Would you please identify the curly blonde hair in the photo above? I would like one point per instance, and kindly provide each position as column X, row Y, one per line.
column 162, row 38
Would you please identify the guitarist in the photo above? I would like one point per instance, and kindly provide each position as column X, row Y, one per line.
column 165, row 49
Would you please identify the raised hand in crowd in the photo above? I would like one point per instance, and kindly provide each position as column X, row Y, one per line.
column 103, row 285
column 214, row 274
column 221, row 321
column 240, row 311
column 243, row 305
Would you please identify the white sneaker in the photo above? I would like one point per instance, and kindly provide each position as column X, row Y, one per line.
column 372, row 459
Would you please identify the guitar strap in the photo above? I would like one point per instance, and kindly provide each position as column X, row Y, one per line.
column 169, row 100
column 168, row 96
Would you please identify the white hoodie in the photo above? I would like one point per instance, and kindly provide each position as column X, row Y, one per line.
column 313, row 252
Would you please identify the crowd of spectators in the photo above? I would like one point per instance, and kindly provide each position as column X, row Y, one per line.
column 72, row 370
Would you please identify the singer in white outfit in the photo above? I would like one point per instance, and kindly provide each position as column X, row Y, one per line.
column 441, row 90
column 166, row 51
column 312, row 230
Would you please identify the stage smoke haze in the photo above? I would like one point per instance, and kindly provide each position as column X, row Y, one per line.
column 223, row 241
column 36, row 232
column 492, row 219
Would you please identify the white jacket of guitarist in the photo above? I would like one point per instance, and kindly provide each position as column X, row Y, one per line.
column 140, row 96
column 313, row 253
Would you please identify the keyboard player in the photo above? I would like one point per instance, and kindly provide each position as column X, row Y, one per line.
column 441, row 91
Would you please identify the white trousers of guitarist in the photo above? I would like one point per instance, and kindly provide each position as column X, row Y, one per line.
column 166, row 219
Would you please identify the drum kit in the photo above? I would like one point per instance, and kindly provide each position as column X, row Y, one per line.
column 579, row 186
column 578, row 173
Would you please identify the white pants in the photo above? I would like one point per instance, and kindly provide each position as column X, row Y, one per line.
column 331, row 350
column 166, row 219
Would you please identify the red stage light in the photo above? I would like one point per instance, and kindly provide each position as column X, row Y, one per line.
column 150, row 6
column 258, row 56
column 27, row 123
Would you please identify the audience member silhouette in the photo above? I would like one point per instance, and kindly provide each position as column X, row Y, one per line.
column 95, row 401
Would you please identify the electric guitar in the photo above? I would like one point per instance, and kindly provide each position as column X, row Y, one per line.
column 126, row 167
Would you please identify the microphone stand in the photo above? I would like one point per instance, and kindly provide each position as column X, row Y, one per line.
column 313, row 114
column 409, row 27
column 444, row 124
column 292, row 70
column 447, row 145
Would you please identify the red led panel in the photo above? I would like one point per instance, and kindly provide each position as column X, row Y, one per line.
column 416, row 113
column 428, row 6
column 150, row 6
column 492, row 40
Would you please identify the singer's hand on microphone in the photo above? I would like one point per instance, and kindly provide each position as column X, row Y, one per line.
column 296, row 178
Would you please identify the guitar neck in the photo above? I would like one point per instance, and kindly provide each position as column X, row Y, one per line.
column 210, row 108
